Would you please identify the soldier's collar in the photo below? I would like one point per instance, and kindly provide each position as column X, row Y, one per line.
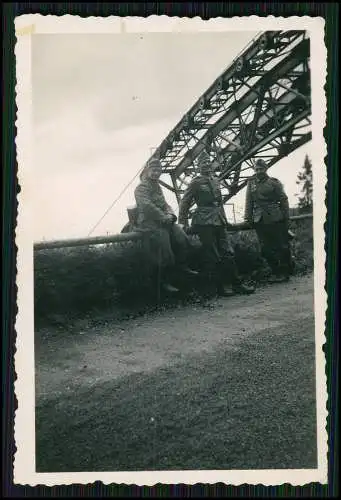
column 262, row 179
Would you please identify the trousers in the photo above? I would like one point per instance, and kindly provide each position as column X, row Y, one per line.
column 167, row 246
column 275, row 246
column 218, row 258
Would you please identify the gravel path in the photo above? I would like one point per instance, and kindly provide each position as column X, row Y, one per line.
column 112, row 350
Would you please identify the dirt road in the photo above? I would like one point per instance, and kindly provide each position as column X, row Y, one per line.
column 247, row 362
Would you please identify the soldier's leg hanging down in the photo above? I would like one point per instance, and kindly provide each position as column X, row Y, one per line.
column 228, row 268
column 163, row 261
column 181, row 247
column 284, row 251
column 266, row 237
column 209, row 257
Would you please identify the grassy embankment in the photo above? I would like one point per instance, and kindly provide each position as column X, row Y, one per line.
column 73, row 282
column 251, row 407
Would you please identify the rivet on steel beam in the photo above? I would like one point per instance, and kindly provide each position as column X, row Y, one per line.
column 239, row 64
column 220, row 84
column 263, row 41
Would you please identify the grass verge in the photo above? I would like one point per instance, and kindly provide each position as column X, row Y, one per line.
column 250, row 407
column 72, row 283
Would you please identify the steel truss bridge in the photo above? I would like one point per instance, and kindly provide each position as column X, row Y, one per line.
column 260, row 107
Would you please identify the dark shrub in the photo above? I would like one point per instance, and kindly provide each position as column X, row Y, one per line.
column 76, row 281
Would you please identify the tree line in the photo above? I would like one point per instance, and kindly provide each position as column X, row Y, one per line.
column 305, row 181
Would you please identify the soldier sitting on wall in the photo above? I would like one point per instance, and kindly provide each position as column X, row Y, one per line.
column 209, row 222
column 167, row 244
column 267, row 209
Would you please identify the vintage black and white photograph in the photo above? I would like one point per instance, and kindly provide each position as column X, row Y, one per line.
column 171, row 261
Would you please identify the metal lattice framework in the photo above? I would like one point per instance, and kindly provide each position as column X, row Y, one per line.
column 259, row 107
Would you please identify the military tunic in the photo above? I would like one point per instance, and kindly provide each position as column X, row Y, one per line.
column 267, row 208
column 165, row 243
column 206, row 194
column 266, row 201
column 209, row 222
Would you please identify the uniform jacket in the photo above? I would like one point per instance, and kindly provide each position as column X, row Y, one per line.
column 152, row 208
column 266, row 201
column 206, row 193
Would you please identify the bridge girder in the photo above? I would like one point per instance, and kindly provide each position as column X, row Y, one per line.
column 259, row 107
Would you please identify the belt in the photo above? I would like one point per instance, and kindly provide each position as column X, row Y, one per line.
column 214, row 204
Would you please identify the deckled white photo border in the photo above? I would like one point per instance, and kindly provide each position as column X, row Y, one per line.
column 24, row 460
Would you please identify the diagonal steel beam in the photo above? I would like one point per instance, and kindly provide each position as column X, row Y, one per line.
column 222, row 82
column 285, row 100
column 249, row 132
column 167, row 186
column 299, row 53
column 257, row 115
column 277, row 133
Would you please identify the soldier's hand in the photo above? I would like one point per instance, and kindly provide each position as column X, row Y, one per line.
column 170, row 219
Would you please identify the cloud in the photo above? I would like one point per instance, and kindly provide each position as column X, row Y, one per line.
column 138, row 78
column 80, row 169
column 73, row 139
column 100, row 102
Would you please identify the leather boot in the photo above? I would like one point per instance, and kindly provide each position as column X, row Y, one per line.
column 167, row 287
column 222, row 291
column 242, row 288
column 276, row 278
column 188, row 271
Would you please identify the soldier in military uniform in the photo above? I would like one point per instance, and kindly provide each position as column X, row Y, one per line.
column 209, row 222
column 166, row 243
column 267, row 209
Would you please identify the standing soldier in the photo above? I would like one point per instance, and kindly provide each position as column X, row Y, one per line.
column 166, row 243
column 209, row 222
column 267, row 209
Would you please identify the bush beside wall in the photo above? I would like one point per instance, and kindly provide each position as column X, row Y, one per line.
column 75, row 281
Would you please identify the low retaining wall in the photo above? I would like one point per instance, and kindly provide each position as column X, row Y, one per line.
column 130, row 237
column 75, row 276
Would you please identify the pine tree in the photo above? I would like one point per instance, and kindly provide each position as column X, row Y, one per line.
column 305, row 180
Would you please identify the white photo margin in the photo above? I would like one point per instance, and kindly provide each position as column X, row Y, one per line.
column 24, row 461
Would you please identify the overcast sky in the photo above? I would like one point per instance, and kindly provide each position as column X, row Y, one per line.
column 100, row 102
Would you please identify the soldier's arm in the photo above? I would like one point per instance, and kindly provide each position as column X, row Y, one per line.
column 146, row 206
column 168, row 209
column 185, row 203
column 248, row 204
column 282, row 198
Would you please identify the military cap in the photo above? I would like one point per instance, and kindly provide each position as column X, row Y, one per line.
column 261, row 163
column 153, row 162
